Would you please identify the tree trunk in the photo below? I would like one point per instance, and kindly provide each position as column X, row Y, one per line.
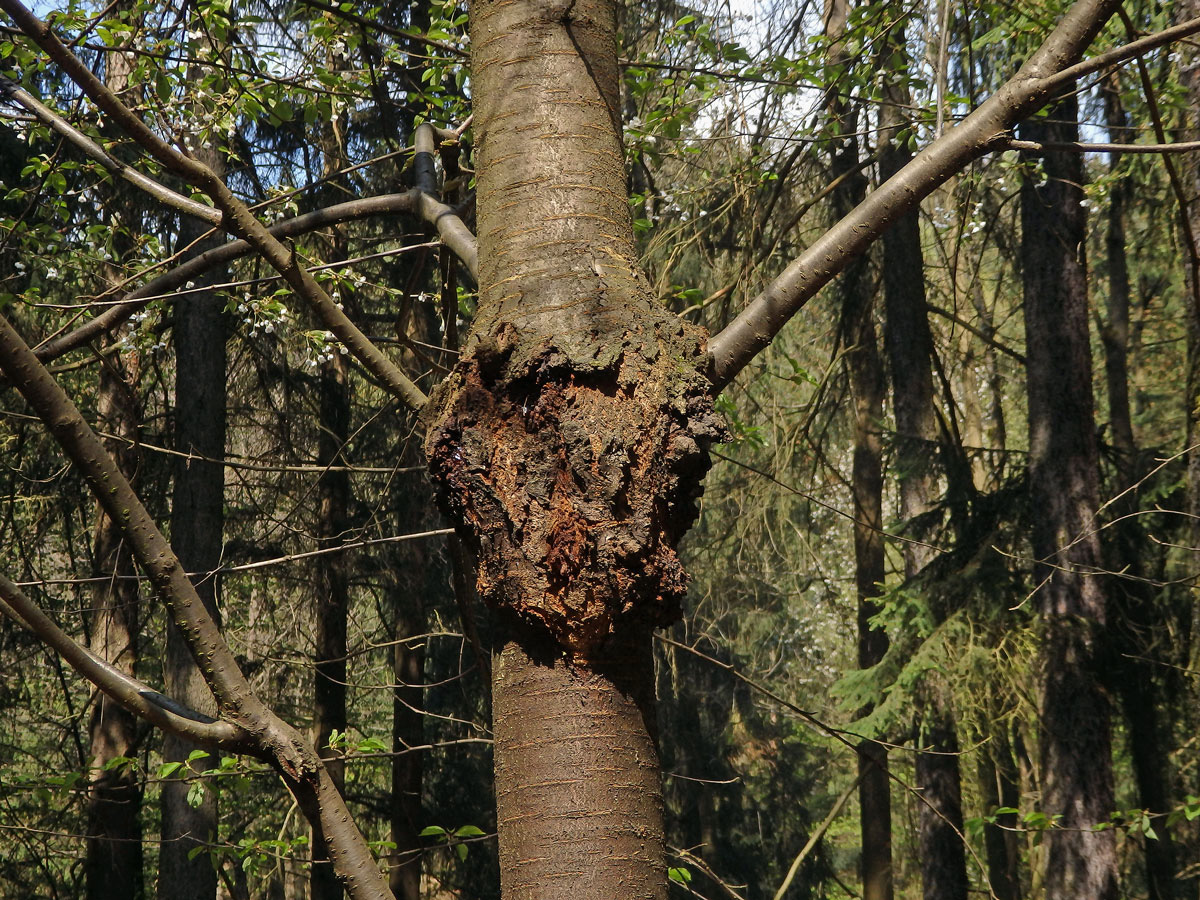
column 332, row 599
column 1076, row 747
column 909, row 345
column 197, row 528
column 1189, row 73
column 1000, row 786
column 867, row 387
column 113, row 866
column 408, row 673
column 1135, row 674
column 567, row 446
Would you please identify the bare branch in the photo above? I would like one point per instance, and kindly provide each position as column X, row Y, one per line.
column 386, row 204
column 236, row 216
column 90, row 148
column 1084, row 147
column 140, row 699
column 450, row 227
column 276, row 741
column 1048, row 69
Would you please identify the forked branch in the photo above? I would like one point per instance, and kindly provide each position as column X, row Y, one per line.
column 140, row 699
column 236, row 217
column 237, row 704
column 1052, row 66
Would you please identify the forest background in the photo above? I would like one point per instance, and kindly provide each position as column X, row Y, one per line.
column 859, row 697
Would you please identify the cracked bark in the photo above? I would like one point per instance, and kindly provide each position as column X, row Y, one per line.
column 1076, row 743
column 909, row 345
column 568, row 445
column 113, row 864
column 197, row 535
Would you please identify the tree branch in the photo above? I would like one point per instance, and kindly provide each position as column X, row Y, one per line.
column 114, row 316
column 1049, row 68
column 1084, row 147
column 279, row 743
column 90, row 148
column 140, row 699
column 236, row 216
column 453, row 232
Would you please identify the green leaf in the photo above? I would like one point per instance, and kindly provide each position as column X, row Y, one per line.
column 162, row 87
column 432, row 831
column 679, row 875
column 461, row 850
column 196, row 851
column 197, row 754
column 195, row 795
column 469, row 831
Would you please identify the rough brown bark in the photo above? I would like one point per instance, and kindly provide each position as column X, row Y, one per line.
column 909, row 344
column 332, row 599
column 867, row 386
column 113, row 866
column 568, row 445
column 1135, row 677
column 999, row 786
column 197, row 534
column 1076, row 746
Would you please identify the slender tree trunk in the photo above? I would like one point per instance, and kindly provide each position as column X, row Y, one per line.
column 332, row 599
column 909, row 345
column 333, row 491
column 417, row 575
column 567, row 446
column 1135, row 677
column 1000, row 786
column 867, row 387
column 866, row 374
column 197, row 530
column 408, row 674
column 1189, row 69
column 1115, row 332
column 113, row 866
column 1076, row 745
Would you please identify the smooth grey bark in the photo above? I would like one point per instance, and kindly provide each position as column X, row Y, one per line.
column 1076, row 743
